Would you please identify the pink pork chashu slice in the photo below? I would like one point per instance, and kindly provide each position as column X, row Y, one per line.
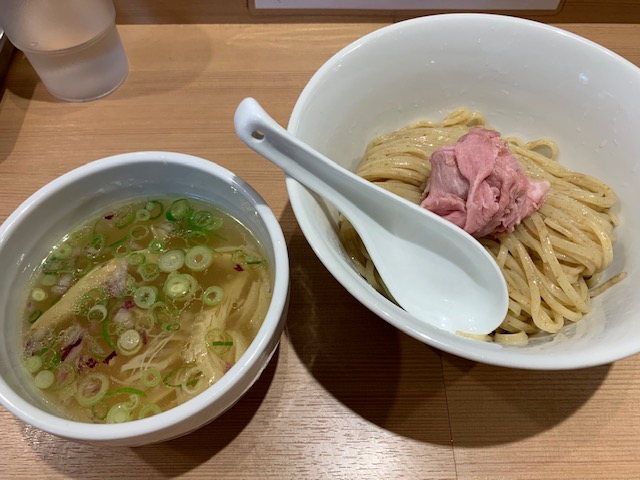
column 477, row 184
column 111, row 276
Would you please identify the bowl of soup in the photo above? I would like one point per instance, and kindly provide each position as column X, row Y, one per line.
column 147, row 293
column 439, row 110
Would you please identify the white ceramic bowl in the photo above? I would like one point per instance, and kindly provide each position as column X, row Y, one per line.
column 51, row 211
column 530, row 80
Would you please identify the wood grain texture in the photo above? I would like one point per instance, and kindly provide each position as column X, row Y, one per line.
column 243, row 11
column 346, row 395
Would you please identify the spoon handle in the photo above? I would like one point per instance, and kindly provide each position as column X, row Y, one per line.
column 262, row 134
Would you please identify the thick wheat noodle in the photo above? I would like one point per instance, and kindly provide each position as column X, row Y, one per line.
column 541, row 318
column 525, row 284
column 609, row 283
column 549, row 262
column 518, row 338
column 561, row 223
column 514, row 308
column 514, row 325
column 549, row 258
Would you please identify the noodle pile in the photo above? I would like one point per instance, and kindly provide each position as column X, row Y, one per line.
column 552, row 261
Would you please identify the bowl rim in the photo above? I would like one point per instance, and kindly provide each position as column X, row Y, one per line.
column 267, row 338
column 377, row 303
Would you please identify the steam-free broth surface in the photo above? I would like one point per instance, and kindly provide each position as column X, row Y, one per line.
column 142, row 308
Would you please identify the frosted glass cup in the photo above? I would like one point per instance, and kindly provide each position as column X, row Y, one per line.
column 73, row 45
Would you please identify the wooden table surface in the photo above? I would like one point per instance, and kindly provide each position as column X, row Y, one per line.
column 346, row 395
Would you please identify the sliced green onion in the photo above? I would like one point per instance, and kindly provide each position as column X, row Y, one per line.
column 134, row 393
column 143, row 215
column 155, row 209
column 130, row 285
column 134, row 397
column 100, row 410
column 218, row 341
column 178, row 287
column 212, row 295
column 163, row 312
column 80, row 237
column 118, row 328
column 44, row 379
column 205, row 220
column 92, row 388
column 149, row 411
column 35, row 315
column 129, row 343
column 185, row 375
column 180, row 209
column 49, row 280
column 55, row 265
column 145, row 322
column 145, row 296
column 170, row 326
column 149, row 271
column 156, row 246
column 38, row 294
column 97, row 245
column 119, row 413
column 151, row 377
column 62, row 250
column 215, row 224
column 139, row 232
column 32, row 364
column 171, row 261
column 124, row 218
column 121, row 248
column 50, row 357
column 194, row 381
column 106, row 332
column 170, row 379
column 97, row 313
column 245, row 258
column 136, row 258
column 201, row 219
column 198, row 258
column 95, row 296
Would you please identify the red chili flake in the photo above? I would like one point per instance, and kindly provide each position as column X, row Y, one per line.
column 91, row 362
column 128, row 304
column 67, row 350
column 143, row 336
column 108, row 217
column 85, row 361
column 109, row 357
column 239, row 268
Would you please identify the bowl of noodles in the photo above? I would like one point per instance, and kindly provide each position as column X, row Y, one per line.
column 148, row 292
column 399, row 104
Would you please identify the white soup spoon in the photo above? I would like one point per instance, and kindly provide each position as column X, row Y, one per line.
column 435, row 271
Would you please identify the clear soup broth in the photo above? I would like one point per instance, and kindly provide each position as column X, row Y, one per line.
column 143, row 307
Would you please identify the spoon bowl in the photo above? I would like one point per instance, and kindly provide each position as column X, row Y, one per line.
column 433, row 269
